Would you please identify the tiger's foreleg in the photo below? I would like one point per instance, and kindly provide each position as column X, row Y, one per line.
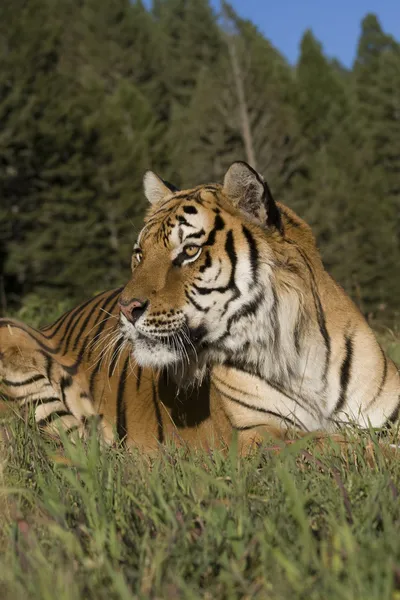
column 32, row 376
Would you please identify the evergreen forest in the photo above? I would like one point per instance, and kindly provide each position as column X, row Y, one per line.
column 94, row 92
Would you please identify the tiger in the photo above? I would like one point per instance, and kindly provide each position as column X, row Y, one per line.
column 229, row 326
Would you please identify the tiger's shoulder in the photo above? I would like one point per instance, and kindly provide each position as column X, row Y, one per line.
column 298, row 231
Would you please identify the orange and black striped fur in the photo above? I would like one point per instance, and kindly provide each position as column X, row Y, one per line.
column 229, row 322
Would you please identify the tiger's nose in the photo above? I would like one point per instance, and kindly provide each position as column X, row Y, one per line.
column 133, row 309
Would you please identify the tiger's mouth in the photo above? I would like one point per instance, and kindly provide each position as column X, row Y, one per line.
column 159, row 349
column 165, row 341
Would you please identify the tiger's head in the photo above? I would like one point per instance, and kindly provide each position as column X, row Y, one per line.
column 200, row 268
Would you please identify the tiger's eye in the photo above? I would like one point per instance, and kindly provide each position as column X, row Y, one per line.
column 191, row 251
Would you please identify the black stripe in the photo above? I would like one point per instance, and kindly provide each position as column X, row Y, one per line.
column 49, row 363
column 196, row 235
column 70, row 429
column 89, row 339
column 52, row 417
column 197, row 198
column 345, row 372
column 28, row 331
column 72, row 315
column 33, row 379
column 383, row 380
column 102, row 325
column 156, row 216
column 231, row 252
column 265, row 411
column 121, row 406
column 160, row 427
column 319, row 311
column 39, row 401
column 287, row 217
column 207, row 263
column 252, row 369
column 297, row 332
column 189, row 297
column 58, row 324
column 65, row 383
column 41, row 344
column 231, row 286
column 60, row 321
column 139, row 378
column 93, row 377
column 324, row 332
column 109, row 297
column 210, row 187
column 205, row 291
column 218, row 226
column 232, row 388
column 85, row 323
column 190, row 210
column 279, row 388
column 183, row 221
column 244, row 311
column 27, row 398
column 253, row 252
column 115, row 355
column 276, row 328
column 83, row 348
column 71, row 327
column 394, row 415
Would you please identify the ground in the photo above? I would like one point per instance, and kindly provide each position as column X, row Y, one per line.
column 289, row 522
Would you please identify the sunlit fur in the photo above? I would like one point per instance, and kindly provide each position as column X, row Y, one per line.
column 285, row 342
column 252, row 335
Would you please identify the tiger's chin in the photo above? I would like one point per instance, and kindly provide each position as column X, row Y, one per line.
column 150, row 352
column 185, row 371
column 168, row 350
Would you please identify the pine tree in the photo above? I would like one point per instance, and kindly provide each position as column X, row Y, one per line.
column 190, row 40
column 31, row 40
column 240, row 109
column 86, row 108
column 377, row 81
column 322, row 101
column 128, row 142
column 322, row 110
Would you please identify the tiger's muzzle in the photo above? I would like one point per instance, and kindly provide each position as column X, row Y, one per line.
column 133, row 309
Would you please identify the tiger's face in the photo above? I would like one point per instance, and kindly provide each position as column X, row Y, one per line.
column 197, row 266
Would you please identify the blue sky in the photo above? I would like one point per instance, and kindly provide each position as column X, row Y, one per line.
column 336, row 23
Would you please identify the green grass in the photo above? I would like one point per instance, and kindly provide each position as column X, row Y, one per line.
column 105, row 523
column 108, row 524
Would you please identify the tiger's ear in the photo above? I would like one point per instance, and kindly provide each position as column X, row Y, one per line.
column 248, row 191
column 155, row 188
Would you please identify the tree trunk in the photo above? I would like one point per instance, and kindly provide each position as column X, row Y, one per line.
column 243, row 110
